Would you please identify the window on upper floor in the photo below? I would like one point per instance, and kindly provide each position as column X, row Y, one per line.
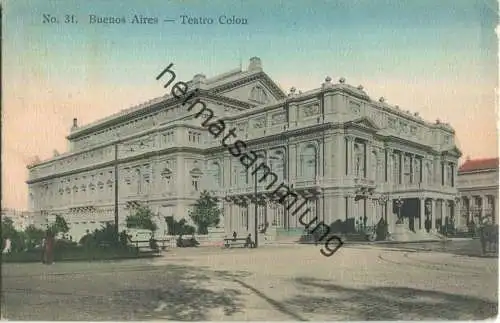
column 194, row 182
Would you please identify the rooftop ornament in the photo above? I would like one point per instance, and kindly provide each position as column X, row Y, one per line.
column 438, row 121
column 381, row 100
column 396, row 106
column 328, row 82
column 360, row 87
column 342, row 80
column 292, row 90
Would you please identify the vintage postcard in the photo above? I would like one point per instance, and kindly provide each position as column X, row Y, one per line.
column 249, row 160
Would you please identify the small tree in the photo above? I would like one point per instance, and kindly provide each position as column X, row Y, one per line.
column 34, row 235
column 206, row 212
column 179, row 227
column 59, row 226
column 142, row 218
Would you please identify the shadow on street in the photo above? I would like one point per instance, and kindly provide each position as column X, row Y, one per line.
column 168, row 292
column 387, row 303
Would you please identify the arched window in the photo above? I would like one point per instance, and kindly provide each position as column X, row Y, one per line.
column 195, row 178
column 277, row 164
column 308, row 160
column 166, row 176
column 257, row 170
column 374, row 165
column 359, row 167
column 395, row 168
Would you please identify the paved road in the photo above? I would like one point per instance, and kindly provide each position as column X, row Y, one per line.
column 270, row 283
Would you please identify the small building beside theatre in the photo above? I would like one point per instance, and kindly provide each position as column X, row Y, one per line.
column 478, row 186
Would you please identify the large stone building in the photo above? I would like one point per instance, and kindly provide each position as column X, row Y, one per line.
column 478, row 186
column 354, row 158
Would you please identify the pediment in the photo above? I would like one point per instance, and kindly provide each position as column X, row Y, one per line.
column 363, row 122
column 256, row 89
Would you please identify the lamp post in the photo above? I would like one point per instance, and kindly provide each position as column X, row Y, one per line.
column 256, row 212
column 399, row 204
column 382, row 200
column 116, row 190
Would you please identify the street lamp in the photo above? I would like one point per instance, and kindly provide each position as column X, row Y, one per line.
column 399, row 204
column 256, row 223
column 382, row 200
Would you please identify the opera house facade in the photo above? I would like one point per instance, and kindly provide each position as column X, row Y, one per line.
column 355, row 159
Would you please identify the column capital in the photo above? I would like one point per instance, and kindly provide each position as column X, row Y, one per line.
column 350, row 137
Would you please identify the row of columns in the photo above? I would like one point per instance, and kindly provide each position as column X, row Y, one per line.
column 483, row 203
column 414, row 159
column 240, row 218
column 374, row 210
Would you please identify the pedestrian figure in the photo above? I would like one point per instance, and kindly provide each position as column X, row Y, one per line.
column 43, row 246
column 234, row 235
column 248, row 242
column 8, row 246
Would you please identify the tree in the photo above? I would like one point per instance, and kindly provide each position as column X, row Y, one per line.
column 206, row 212
column 34, row 235
column 142, row 218
column 59, row 226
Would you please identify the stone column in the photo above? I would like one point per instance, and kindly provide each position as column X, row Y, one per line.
column 292, row 164
column 368, row 160
column 457, row 206
column 483, row 206
column 422, row 214
column 495, row 208
column 350, row 155
column 388, row 163
column 445, row 173
column 443, row 211
column 328, row 159
column 412, row 169
column 433, row 215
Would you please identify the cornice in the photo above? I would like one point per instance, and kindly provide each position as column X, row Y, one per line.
column 224, row 99
column 481, row 171
column 392, row 139
column 154, row 153
column 253, row 77
column 283, row 137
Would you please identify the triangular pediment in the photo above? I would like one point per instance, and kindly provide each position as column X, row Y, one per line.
column 364, row 122
column 256, row 89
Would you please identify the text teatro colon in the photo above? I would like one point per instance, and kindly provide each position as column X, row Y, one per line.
column 354, row 158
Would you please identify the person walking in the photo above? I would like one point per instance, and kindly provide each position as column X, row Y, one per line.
column 43, row 249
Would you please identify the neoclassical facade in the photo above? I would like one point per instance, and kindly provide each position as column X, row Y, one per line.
column 354, row 158
column 478, row 187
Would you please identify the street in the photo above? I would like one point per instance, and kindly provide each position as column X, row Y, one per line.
column 274, row 283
